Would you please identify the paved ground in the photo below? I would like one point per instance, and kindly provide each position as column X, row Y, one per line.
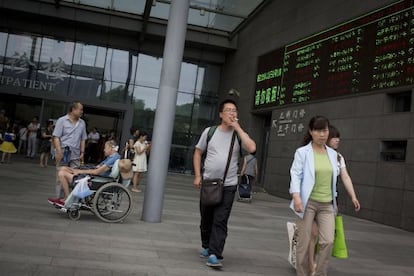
column 36, row 239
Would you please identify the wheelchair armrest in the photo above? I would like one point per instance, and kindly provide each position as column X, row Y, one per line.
column 99, row 178
column 97, row 181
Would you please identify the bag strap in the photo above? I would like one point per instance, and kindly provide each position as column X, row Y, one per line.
column 210, row 134
column 233, row 138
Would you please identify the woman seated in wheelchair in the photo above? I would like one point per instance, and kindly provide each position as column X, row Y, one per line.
column 66, row 174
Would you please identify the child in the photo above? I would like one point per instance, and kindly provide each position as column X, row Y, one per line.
column 7, row 147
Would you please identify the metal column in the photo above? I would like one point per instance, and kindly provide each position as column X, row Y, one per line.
column 165, row 113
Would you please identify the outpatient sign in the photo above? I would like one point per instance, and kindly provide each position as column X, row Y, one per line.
column 19, row 66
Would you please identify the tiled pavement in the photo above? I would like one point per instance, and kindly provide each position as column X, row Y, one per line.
column 36, row 239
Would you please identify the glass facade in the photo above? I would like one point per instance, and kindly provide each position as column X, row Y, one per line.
column 213, row 14
column 76, row 70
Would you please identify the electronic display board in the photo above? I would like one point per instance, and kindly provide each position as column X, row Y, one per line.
column 374, row 51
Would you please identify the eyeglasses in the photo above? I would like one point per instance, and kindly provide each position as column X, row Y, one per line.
column 228, row 110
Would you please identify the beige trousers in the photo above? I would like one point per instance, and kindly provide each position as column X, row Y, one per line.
column 323, row 214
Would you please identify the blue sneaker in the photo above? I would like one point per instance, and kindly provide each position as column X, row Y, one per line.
column 213, row 262
column 204, row 253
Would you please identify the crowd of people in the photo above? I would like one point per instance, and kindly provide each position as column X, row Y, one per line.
column 315, row 170
column 34, row 140
column 29, row 139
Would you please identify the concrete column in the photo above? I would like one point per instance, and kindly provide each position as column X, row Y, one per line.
column 165, row 113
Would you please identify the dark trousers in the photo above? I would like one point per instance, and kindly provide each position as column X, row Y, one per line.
column 214, row 221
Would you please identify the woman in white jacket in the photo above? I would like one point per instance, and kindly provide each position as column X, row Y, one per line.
column 313, row 175
column 333, row 142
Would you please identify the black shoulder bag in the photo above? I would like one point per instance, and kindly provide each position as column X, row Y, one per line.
column 211, row 192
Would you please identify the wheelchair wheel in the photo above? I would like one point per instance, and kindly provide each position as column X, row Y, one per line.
column 112, row 202
column 74, row 214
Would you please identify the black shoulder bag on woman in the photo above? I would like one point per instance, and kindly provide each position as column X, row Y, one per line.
column 211, row 192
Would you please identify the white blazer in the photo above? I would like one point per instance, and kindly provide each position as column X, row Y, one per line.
column 302, row 174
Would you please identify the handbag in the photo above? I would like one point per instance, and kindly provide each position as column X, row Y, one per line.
column 211, row 192
column 339, row 249
column 292, row 236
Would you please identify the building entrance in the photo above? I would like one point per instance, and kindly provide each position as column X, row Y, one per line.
column 20, row 111
column 107, row 122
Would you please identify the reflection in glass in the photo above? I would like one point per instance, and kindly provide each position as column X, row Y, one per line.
column 116, row 92
column 120, row 66
column 89, row 61
column 3, row 42
column 56, row 49
column 55, row 59
column 188, row 77
column 148, row 71
column 182, row 121
column 184, row 103
column 144, row 101
column 200, row 80
column 145, row 97
column 204, row 111
column 208, row 79
column 82, row 87
column 112, row 75
column 22, row 56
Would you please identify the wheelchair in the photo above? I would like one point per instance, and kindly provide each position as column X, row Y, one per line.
column 110, row 199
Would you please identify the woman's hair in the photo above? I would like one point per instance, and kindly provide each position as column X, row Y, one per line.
column 315, row 123
column 333, row 132
column 133, row 129
column 142, row 134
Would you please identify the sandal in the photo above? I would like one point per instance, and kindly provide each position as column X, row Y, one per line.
column 135, row 190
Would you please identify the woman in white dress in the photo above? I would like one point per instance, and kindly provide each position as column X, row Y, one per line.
column 139, row 165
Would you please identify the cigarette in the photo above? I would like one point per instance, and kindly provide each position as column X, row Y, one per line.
column 236, row 119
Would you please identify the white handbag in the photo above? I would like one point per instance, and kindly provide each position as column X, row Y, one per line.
column 292, row 235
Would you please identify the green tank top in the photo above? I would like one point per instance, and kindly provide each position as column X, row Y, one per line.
column 322, row 190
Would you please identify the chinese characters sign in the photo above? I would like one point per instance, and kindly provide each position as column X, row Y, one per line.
column 290, row 121
column 20, row 67
column 365, row 54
